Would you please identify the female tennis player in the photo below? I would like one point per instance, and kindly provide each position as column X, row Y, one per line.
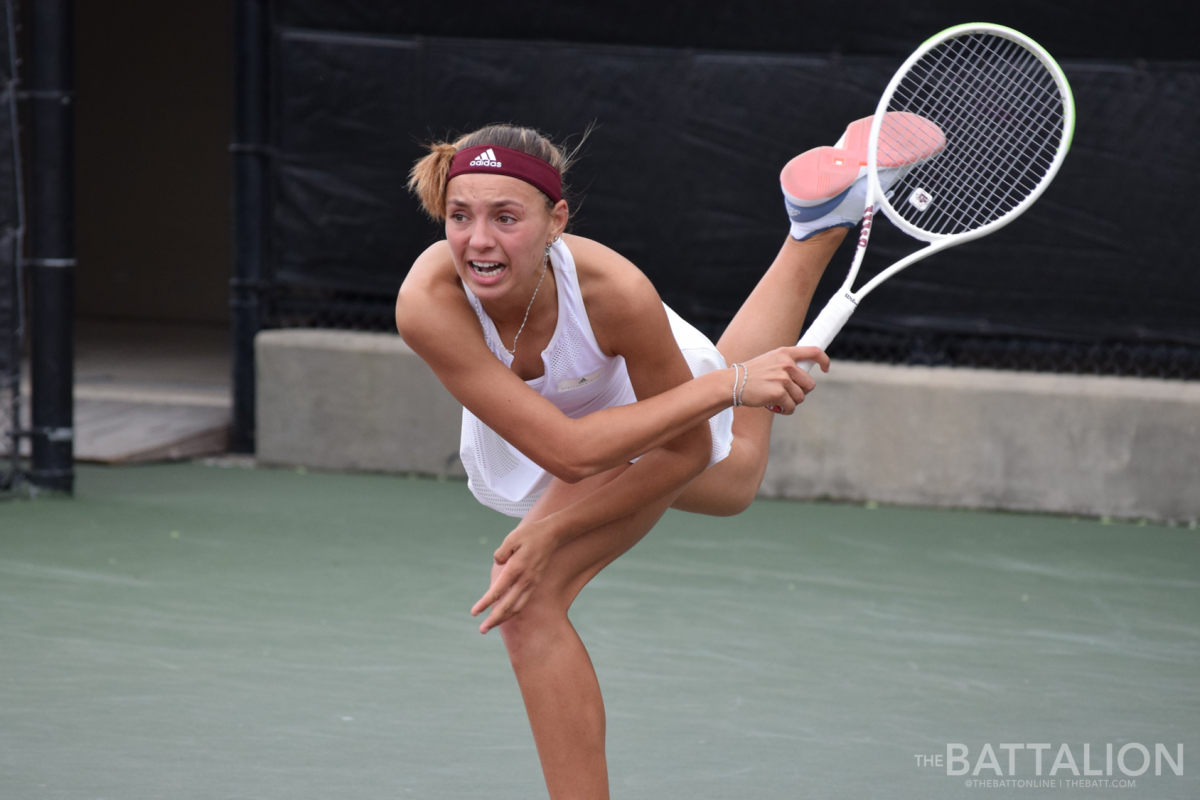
column 590, row 408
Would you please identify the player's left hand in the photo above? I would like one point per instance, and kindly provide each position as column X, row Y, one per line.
column 775, row 381
column 523, row 555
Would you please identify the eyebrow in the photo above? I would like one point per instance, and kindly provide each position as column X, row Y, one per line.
column 494, row 204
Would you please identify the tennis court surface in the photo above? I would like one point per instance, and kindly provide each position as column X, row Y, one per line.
column 192, row 631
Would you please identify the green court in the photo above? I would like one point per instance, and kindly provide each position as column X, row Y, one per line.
column 192, row 631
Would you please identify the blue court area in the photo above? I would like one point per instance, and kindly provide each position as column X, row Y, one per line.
column 192, row 631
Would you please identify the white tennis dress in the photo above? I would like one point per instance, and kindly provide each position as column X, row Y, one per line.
column 579, row 379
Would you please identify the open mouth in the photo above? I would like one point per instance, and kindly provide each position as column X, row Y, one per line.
column 486, row 269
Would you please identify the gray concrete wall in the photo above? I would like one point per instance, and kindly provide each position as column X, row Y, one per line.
column 1102, row 446
column 1120, row 447
column 360, row 401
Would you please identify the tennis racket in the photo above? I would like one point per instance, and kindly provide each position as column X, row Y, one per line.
column 988, row 116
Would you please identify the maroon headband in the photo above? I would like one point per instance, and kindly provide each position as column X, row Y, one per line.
column 496, row 160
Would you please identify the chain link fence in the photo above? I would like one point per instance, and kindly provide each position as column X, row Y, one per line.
column 317, row 308
column 289, row 307
column 1132, row 359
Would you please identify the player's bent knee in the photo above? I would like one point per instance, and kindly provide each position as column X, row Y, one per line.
column 520, row 636
column 731, row 501
column 531, row 631
column 737, row 501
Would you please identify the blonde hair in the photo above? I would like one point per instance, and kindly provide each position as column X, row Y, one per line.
column 427, row 179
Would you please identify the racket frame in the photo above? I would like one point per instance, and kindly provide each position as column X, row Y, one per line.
column 845, row 300
column 875, row 195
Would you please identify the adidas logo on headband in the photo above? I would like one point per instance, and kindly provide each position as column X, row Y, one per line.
column 485, row 159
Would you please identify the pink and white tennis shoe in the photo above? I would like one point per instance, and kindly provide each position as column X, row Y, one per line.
column 827, row 187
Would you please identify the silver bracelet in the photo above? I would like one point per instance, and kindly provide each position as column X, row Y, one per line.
column 737, row 400
column 745, row 377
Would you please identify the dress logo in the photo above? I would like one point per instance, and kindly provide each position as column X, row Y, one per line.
column 576, row 383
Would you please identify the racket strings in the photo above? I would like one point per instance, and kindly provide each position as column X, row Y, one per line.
column 1004, row 54
column 1002, row 115
column 990, row 154
column 978, row 147
column 1005, row 158
column 995, row 157
column 945, row 86
column 1002, row 149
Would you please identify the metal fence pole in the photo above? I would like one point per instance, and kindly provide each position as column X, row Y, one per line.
column 50, row 95
column 12, row 236
column 250, row 182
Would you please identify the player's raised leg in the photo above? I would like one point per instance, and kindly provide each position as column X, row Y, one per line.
column 825, row 192
column 771, row 317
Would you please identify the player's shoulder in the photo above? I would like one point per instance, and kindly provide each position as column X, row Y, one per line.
column 435, row 263
column 620, row 300
column 431, row 274
column 428, row 292
column 610, row 283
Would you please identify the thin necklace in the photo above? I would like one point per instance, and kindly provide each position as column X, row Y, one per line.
column 545, row 264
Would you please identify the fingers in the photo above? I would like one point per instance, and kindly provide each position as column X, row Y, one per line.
column 494, row 593
column 775, row 380
column 510, row 545
column 798, row 383
column 784, row 384
column 504, row 551
column 784, row 403
column 520, row 560
column 500, row 613
column 808, row 354
column 802, row 380
column 510, row 607
column 796, row 394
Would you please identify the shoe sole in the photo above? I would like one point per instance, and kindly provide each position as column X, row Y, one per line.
column 823, row 173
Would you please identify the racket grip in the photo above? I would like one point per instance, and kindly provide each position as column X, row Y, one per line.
column 826, row 325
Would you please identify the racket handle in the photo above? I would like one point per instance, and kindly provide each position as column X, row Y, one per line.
column 827, row 324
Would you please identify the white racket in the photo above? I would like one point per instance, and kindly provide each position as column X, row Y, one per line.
column 1006, row 113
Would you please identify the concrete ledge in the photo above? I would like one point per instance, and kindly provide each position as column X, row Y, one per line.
column 1102, row 446
column 342, row 400
column 1122, row 447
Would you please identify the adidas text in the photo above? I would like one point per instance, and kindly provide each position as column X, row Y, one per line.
column 485, row 159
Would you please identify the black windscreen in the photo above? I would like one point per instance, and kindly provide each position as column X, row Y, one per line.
column 681, row 176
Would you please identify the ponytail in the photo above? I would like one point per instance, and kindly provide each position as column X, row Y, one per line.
column 427, row 180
